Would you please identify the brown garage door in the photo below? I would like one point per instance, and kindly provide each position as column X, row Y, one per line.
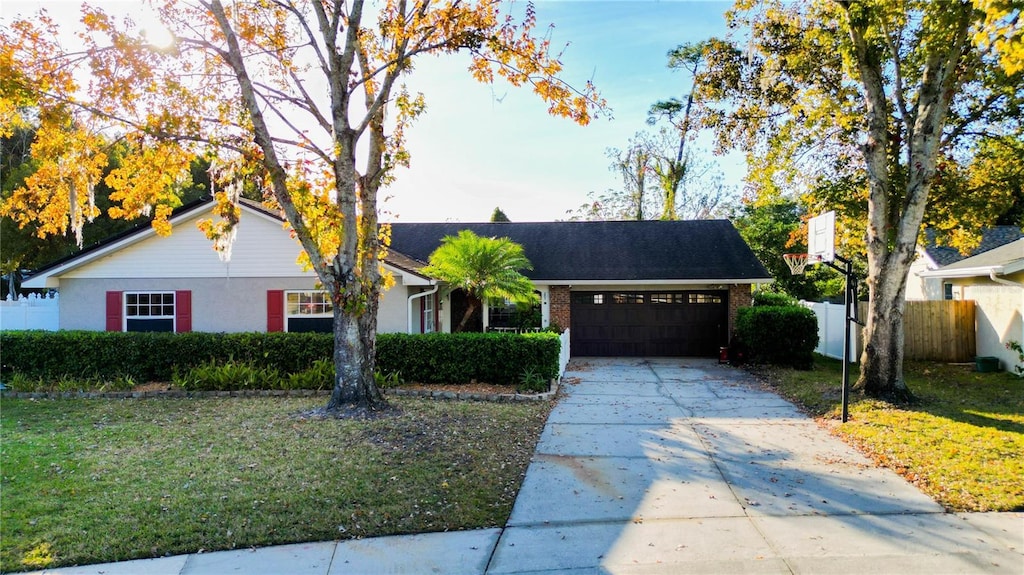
column 647, row 323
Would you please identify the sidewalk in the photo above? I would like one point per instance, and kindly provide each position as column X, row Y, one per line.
column 671, row 466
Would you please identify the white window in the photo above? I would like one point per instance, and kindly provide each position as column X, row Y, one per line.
column 149, row 311
column 428, row 314
column 309, row 310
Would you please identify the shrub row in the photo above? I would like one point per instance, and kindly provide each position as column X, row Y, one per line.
column 431, row 358
column 780, row 335
column 499, row 358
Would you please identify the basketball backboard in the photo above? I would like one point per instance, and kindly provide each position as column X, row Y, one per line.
column 821, row 237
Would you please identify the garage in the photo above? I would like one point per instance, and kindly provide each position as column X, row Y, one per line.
column 649, row 323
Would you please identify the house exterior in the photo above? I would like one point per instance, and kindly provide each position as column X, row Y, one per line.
column 139, row 281
column 931, row 256
column 994, row 279
column 624, row 288
column 647, row 288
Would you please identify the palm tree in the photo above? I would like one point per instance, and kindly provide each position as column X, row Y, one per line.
column 484, row 268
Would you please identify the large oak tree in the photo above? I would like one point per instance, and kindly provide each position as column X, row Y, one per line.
column 861, row 100
column 301, row 98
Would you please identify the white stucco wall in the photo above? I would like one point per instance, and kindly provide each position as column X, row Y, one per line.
column 218, row 304
column 998, row 316
column 919, row 288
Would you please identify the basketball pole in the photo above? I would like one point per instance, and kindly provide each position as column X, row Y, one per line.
column 850, row 300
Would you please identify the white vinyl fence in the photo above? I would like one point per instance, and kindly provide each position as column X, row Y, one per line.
column 831, row 328
column 30, row 312
column 563, row 353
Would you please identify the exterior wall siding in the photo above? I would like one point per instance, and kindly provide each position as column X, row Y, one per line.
column 218, row 304
column 393, row 315
column 261, row 249
column 997, row 317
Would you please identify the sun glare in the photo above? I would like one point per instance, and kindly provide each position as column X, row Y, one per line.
column 158, row 36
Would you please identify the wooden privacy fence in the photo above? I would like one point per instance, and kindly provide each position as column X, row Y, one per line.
column 934, row 330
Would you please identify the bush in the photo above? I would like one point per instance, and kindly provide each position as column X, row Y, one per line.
column 778, row 335
column 230, row 376
column 762, row 298
column 463, row 357
column 299, row 360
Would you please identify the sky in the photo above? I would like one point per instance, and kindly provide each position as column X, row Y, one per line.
column 484, row 146
column 479, row 146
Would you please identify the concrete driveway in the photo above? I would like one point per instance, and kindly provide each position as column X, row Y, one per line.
column 685, row 466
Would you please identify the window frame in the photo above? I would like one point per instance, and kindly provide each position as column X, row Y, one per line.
column 327, row 314
column 628, row 298
column 125, row 316
column 700, row 298
column 429, row 318
column 947, row 291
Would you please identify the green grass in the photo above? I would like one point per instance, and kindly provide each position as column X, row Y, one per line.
column 88, row 481
column 962, row 442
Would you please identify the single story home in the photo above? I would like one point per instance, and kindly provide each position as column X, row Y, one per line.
column 931, row 256
column 994, row 279
column 624, row 288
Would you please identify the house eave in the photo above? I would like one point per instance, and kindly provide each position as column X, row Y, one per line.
column 978, row 271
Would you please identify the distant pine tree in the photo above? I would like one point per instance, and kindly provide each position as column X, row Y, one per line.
column 499, row 216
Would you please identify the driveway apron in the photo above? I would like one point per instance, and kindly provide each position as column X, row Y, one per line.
column 687, row 466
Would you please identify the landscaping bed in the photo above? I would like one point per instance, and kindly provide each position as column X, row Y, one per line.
column 961, row 442
column 89, row 481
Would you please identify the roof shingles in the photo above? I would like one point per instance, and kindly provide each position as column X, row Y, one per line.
column 614, row 251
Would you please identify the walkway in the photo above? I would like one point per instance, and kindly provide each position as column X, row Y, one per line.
column 672, row 466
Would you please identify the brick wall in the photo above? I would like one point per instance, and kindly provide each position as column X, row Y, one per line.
column 559, row 305
column 739, row 296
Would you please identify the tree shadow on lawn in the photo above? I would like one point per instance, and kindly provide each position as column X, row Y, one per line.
column 956, row 392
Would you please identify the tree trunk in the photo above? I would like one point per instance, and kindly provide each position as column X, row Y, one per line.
column 471, row 305
column 354, row 355
column 881, row 373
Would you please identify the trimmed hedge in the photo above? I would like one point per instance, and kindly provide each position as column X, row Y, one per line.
column 499, row 358
column 431, row 358
column 778, row 335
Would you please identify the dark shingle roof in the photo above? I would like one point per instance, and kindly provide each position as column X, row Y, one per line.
column 991, row 238
column 1001, row 255
column 648, row 250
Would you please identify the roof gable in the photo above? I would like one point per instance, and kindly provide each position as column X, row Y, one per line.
column 614, row 251
column 262, row 248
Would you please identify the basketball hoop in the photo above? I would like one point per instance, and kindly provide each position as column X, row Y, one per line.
column 797, row 262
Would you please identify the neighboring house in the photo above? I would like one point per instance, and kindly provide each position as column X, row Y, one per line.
column 995, row 281
column 624, row 288
column 931, row 257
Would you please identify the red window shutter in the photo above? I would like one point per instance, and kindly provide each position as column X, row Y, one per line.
column 275, row 310
column 183, row 311
column 114, row 310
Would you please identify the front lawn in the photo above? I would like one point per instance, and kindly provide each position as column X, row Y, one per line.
column 962, row 443
column 88, row 481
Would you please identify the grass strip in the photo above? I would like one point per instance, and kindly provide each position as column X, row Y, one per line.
column 961, row 442
column 91, row 481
